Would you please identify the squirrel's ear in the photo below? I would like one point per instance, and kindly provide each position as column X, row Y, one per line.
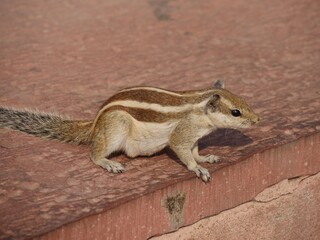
column 212, row 104
column 219, row 84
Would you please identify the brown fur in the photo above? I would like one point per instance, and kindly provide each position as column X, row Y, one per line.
column 161, row 98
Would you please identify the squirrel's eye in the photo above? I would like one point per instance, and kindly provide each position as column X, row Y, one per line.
column 235, row 113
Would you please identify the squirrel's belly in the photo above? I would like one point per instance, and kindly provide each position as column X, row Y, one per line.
column 143, row 148
column 147, row 138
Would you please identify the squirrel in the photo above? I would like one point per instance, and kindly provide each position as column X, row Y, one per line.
column 141, row 121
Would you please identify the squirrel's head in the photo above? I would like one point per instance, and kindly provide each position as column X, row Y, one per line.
column 226, row 110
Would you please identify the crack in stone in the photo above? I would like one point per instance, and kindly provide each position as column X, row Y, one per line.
column 291, row 183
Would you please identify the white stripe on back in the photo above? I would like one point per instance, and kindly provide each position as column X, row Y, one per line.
column 154, row 106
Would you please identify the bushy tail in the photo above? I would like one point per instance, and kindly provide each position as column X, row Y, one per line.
column 46, row 125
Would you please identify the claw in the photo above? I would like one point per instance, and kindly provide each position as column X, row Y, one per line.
column 202, row 173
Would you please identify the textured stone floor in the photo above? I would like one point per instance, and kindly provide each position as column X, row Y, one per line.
column 69, row 56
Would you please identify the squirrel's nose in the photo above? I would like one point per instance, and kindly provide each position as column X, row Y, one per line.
column 256, row 120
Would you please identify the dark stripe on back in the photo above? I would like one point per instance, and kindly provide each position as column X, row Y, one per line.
column 164, row 99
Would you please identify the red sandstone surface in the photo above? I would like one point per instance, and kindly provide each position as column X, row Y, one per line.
column 70, row 56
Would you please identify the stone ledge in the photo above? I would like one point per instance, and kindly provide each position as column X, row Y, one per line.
column 233, row 185
column 292, row 212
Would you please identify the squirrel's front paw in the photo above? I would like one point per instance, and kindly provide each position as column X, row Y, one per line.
column 111, row 166
column 208, row 159
column 202, row 173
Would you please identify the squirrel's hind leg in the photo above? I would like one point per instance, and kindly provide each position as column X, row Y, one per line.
column 110, row 135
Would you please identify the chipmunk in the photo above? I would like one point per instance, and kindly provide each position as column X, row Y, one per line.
column 141, row 121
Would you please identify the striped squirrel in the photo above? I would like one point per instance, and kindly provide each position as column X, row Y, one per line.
column 141, row 121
